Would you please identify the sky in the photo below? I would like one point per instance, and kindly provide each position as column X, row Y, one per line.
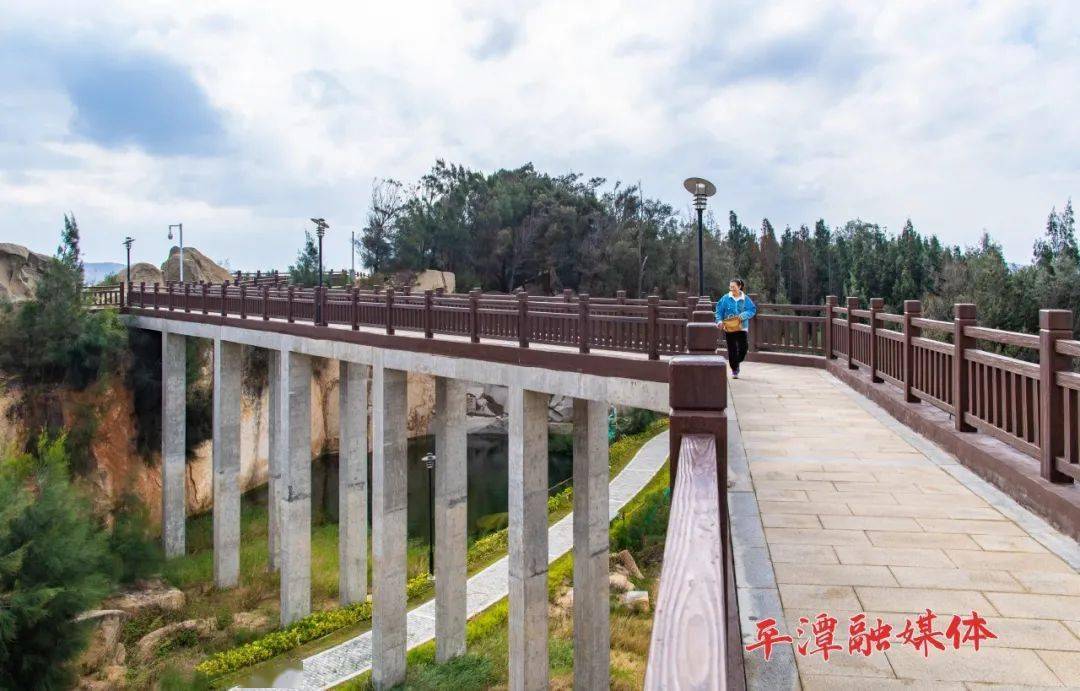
column 244, row 119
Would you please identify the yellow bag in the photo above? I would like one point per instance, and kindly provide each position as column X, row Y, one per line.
column 732, row 324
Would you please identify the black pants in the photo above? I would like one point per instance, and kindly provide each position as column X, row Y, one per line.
column 736, row 348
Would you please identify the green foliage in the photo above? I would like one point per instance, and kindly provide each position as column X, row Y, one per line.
column 136, row 552
column 305, row 272
column 53, row 565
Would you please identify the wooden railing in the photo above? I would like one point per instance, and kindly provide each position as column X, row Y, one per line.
column 99, row 297
column 1030, row 402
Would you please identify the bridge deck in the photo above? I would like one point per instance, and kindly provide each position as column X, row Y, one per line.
column 859, row 514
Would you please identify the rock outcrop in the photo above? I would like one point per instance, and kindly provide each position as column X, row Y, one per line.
column 20, row 271
column 144, row 272
column 197, row 267
column 105, row 648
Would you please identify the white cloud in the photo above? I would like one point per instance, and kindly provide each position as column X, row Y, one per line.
column 958, row 115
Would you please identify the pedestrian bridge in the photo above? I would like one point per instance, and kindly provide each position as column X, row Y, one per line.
column 813, row 496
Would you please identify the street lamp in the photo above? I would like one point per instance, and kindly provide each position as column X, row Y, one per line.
column 429, row 463
column 320, row 230
column 127, row 244
column 180, row 227
column 701, row 189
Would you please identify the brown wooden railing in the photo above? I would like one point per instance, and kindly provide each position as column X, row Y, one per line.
column 99, row 297
column 1029, row 402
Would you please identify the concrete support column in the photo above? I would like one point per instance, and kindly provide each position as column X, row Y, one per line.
column 592, row 632
column 389, row 475
column 528, row 549
column 173, row 441
column 352, row 482
column 275, row 459
column 451, row 517
column 226, row 463
column 294, row 496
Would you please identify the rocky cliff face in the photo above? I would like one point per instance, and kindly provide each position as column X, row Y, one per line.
column 20, row 270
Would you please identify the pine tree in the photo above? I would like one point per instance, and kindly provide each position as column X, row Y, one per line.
column 68, row 252
column 305, row 272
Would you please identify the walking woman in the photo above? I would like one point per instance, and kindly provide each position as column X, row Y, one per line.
column 733, row 314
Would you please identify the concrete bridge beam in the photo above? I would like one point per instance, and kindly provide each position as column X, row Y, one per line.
column 226, row 463
column 352, row 482
column 592, row 633
column 528, row 548
column 451, row 517
column 389, row 482
column 173, row 442
column 294, row 500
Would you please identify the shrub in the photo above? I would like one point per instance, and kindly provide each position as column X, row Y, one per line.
column 54, row 563
column 136, row 554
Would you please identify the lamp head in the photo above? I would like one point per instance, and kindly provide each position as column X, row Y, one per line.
column 701, row 189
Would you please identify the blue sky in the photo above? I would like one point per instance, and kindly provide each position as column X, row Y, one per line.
column 244, row 119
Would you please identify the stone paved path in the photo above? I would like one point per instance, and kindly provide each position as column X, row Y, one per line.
column 353, row 657
column 855, row 513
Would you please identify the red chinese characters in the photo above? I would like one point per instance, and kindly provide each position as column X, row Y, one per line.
column 818, row 637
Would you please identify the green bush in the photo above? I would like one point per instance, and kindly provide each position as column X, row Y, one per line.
column 136, row 553
column 54, row 565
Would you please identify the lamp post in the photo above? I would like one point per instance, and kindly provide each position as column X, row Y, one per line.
column 320, row 230
column 127, row 244
column 352, row 258
column 701, row 189
column 180, row 228
column 429, row 463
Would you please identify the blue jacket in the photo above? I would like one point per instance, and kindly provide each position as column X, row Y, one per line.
column 744, row 307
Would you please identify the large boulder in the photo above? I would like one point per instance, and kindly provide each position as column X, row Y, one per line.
column 432, row 279
column 20, row 271
column 150, row 642
column 104, row 648
column 153, row 594
column 145, row 272
column 197, row 267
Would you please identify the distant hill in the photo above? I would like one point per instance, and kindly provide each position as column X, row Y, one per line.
column 97, row 271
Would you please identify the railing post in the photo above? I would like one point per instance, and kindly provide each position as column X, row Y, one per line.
column 224, row 298
column 123, row 304
column 205, row 287
column 876, row 305
column 169, row 296
column 697, row 392
column 567, row 294
column 830, row 303
column 1054, row 325
column 428, row 315
column 355, row 309
column 390, row 310
column 652, row 330
column 243, row 301
column 963, row 316
column 266, row 302
column 912, row 310
column 523, row 319
column 755, row 333
column 142, row 294
column 584, row 335
column 852, row 304
column 620, row 295
column 323, row 305
column 289, row 305
column 474, row 315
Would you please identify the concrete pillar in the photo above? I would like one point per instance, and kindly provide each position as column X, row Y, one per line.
column 226, row 463
column 294, row 497
column 275, row 459
column 451, row 518
column 173, row 441
column 528, row 549
column 592, row 632
column 389, row 476
column 352, row 483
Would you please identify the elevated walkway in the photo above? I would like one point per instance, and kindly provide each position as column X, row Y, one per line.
column 851, row 512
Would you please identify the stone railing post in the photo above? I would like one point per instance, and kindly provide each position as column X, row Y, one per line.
column 1054, row 325
column 653, row 327
column 830, row 303
column 584, row 335
column 523, row 319
column 852, row 304
column 912, row 310
column 963, row 316
column 474, row 315
column 876, row 305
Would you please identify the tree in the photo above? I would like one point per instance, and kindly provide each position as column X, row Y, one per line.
column 53, row 565
column 305, row 271
column 68, row 252
column 1060, row 238
column 376, row 242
